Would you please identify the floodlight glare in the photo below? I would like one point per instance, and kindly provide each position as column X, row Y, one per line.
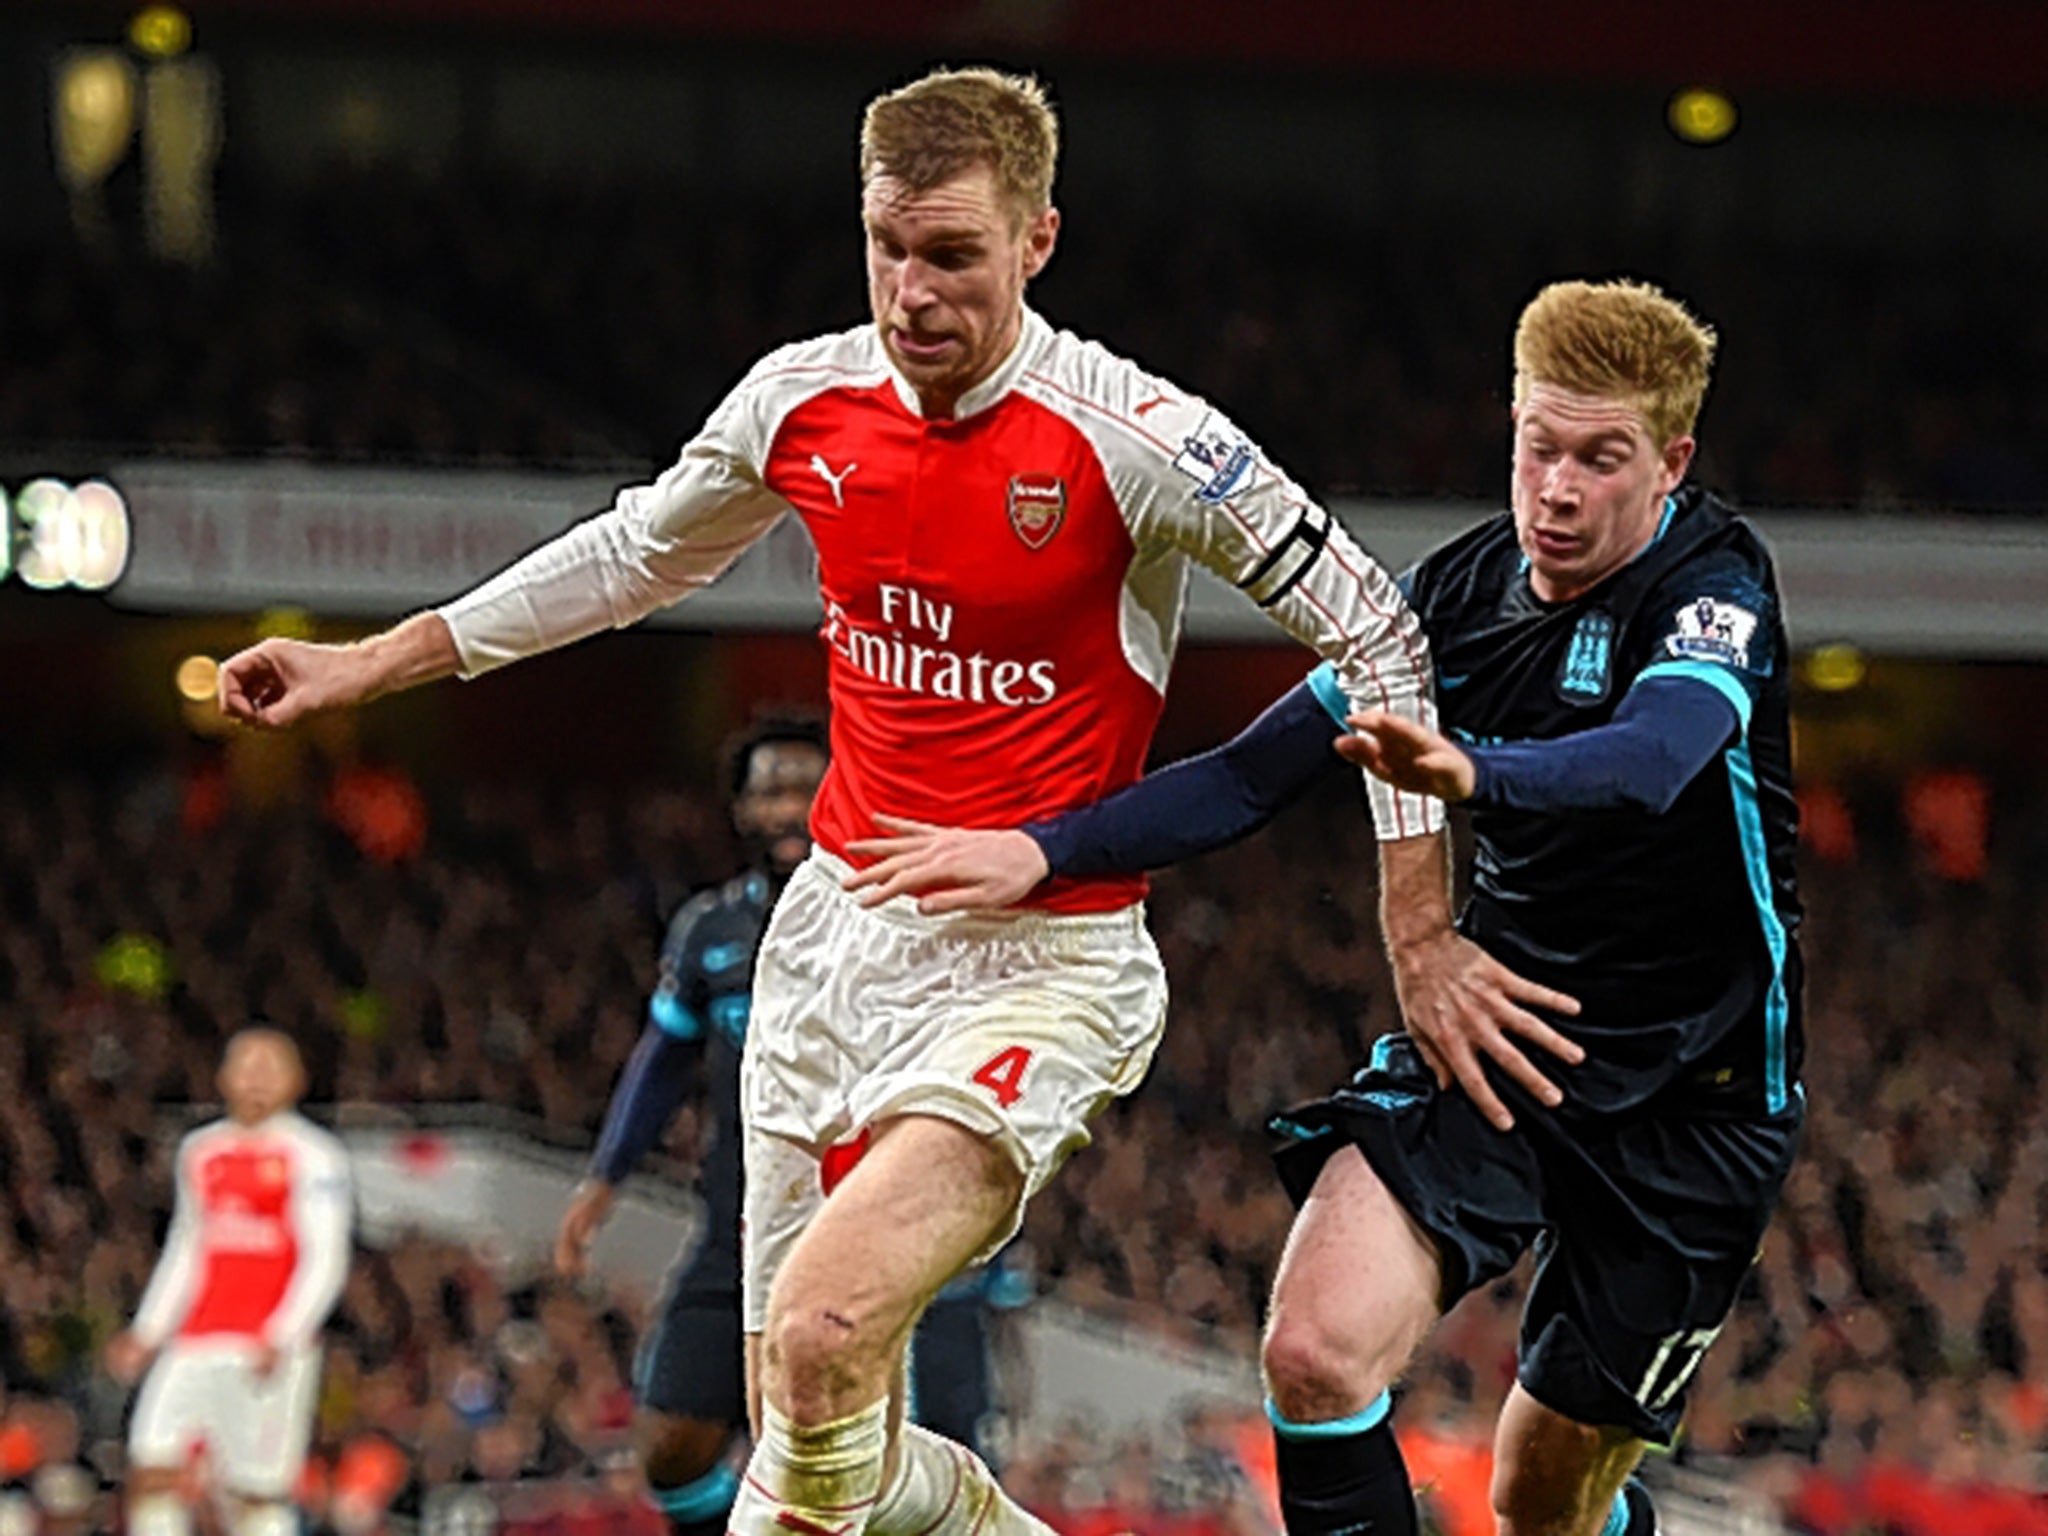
column 1836, row 668
column 1701, row 116
column 161, row 31
column 198, row 677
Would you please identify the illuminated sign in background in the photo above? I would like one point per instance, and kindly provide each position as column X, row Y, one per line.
column 58, row 535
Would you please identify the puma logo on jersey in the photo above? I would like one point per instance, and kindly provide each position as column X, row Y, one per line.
column 837, row 482
column 1154, row 403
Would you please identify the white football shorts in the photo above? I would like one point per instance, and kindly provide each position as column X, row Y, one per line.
column 1018, row 1025
column 205, row 1393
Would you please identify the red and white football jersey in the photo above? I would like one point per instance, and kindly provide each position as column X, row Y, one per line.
column 1002, row 588
column 259, row 1241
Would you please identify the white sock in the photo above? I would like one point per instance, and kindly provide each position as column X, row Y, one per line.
column 812, row 1481
column 159, row 1514
column 943, row 1489
column 269, row 1518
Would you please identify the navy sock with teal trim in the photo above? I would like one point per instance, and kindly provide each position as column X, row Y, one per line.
column 1633, row 1514
column 699, row 1508
column 1345, row 1477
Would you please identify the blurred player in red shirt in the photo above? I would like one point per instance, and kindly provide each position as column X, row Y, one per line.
column 1005, row 516
column 229, row 1327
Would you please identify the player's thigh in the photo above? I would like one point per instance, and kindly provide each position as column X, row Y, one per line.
column 1015, row 1032
column 1357, row 1290
column 690, row 1365
column 173, row 1409
column 926, row 1198
column 266, row 1422
column 1552, row 1474
column 783, row 1194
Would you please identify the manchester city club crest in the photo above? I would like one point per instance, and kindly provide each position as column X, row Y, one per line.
column 1038, row 505
column 1588, row 665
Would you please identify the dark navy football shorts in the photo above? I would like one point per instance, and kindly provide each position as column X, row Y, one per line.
column 1643, row 1223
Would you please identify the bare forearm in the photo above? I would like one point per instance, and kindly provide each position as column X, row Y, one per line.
column 421, row 649
column 1415, row 890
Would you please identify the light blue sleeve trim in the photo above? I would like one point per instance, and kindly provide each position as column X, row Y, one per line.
column 1617, row 1517
column 1330, row 694
column 1370, row 1417
column 1720, row 679
column 672, row 1018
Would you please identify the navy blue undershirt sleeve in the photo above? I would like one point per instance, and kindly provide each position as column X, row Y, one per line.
column 650, row 1091
column 1664, row 732
column 1200, row 803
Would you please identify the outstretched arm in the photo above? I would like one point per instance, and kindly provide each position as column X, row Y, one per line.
column 1191, row 807
column 276, row 682
column 1661, row 736
column 1201, row 803
column 655, row 545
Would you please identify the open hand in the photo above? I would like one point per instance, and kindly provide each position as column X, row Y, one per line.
column 1409, row 756
column 949, row 869
column 1464, row 1008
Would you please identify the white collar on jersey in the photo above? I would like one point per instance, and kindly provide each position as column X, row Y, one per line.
column 1031, row 336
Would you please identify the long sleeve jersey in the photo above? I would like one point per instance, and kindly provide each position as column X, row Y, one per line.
column 1002, row 588
column 259, row 1241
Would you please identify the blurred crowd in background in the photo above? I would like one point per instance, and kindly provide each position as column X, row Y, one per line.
column 1892, row 1347
column 468, row 322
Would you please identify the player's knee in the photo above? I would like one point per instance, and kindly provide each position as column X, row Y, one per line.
column 819, row 1356
column 1313, row 1374
column 677, row 1451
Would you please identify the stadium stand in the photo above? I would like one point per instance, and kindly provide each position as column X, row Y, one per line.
column 506, row 322
column 1886, row 1360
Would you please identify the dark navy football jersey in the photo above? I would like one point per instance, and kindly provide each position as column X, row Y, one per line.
column 1677, row 932
column 705, row 993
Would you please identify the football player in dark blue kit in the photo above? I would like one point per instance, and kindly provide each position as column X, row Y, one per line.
column 689, row 1380
column 1615, row 709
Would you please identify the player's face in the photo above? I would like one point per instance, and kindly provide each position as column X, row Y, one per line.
column 1589, row 487
column 774, row 809
column 260, row 1076
column 946, row 275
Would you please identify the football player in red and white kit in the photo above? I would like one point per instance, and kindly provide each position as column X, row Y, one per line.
column 229, row 1327
column 1005, row 516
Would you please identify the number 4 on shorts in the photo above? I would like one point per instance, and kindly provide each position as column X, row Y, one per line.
column 1003, row 1074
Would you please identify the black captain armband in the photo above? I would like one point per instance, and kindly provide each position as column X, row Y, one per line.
column 1289, row 560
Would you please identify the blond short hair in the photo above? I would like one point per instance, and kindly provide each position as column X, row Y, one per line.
column 955, row 119
column 1618, row 340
